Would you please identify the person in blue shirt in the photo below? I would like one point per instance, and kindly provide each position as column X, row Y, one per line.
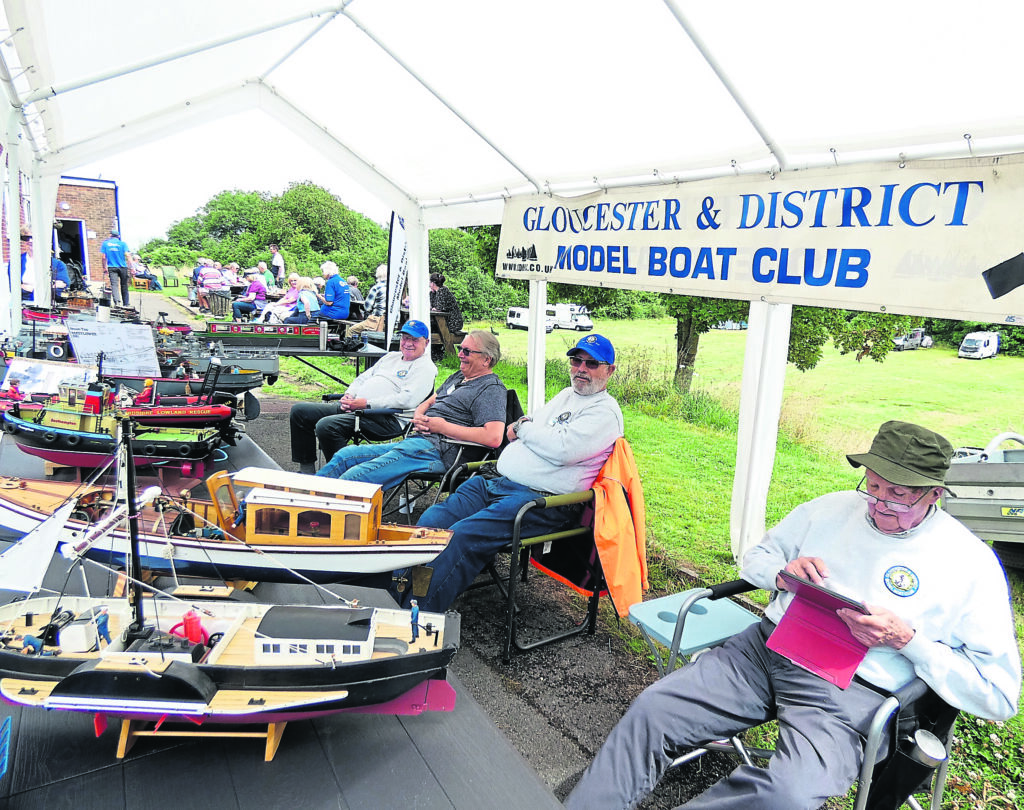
column 59, row 277
column 336, row 294
column 115, row 262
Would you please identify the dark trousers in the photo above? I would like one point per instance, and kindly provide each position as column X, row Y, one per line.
column 311, row 422
column 118, row 284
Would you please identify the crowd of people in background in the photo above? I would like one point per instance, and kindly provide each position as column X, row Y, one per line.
column 266, row 292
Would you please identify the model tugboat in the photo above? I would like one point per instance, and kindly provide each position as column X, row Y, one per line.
column 78, row 431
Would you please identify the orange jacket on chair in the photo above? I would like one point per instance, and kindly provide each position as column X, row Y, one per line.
column 620, row 527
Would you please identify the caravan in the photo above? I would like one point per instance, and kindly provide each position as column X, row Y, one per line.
column 569, row 316
column 977, row 345
column 519, row 318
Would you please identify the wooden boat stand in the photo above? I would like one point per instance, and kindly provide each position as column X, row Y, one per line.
column 133, row 729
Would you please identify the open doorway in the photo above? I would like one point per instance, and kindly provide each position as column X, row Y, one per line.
column 71, row 244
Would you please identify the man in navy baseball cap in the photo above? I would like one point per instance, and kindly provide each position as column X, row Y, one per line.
column 597, row 346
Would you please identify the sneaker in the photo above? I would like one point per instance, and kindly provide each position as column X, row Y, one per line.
column 307, row 469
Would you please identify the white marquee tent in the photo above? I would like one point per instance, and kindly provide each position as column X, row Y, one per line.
column 447, row 110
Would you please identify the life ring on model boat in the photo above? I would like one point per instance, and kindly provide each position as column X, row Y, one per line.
column 57, row 351
column 72, row 441
column 49, row 438
column 149, row 450
column 184, row 450
column 10, row 427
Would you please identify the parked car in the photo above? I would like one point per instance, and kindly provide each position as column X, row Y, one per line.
column 914, row 339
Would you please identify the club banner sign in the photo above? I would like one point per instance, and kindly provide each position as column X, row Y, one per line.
column 930, row 238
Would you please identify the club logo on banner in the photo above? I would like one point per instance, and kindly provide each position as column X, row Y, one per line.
column 931, row 238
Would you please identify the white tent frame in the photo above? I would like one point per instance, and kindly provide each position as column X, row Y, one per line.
column 34, row 150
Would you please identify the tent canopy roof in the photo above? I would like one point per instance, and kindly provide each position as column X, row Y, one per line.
column 456, row 104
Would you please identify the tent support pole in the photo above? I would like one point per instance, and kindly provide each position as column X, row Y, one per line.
column 764, row 375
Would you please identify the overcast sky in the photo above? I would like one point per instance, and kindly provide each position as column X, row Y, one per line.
column 169, row 180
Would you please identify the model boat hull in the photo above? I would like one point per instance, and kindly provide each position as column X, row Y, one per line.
column 76, row 448
column 223, row 680
column 24, row 504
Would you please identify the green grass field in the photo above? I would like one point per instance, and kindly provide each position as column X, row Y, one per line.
column 837, row 405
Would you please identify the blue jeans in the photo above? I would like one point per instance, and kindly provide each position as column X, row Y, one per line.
column 481, row 513
column 385, row 464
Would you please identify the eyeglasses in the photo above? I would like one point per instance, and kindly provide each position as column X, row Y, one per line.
column 575, row 361
column 894, row 506
column 465, row 351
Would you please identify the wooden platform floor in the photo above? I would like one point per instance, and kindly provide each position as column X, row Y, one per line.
column 456, row 759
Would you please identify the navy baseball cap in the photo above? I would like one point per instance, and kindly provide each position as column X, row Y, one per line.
column 597, row 346
column 416, row 329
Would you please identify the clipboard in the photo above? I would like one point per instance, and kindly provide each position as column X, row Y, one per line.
column 812, row 636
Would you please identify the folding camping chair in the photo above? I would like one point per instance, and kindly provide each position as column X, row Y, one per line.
column 569, row 555
column 918, row 724
column 418, row 485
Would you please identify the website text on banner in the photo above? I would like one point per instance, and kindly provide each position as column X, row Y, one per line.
column 940, row 238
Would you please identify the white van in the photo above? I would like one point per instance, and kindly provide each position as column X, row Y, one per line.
column 977, row 345
column 519, row 318
column 570, row 316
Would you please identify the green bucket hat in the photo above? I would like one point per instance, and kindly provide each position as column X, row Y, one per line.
column 908, row 455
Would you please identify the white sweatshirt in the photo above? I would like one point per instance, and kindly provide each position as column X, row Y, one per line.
column 564, row 446
column 938, row 577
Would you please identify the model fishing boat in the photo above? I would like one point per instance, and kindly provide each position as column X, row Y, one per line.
column 255, row 524
column 208, row 660
column 78, row 431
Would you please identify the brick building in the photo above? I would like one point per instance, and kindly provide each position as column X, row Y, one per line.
column 85, row 213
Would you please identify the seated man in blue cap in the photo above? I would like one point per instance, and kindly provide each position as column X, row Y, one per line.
column 938, row 609
column 557, row 450
column 401, row 380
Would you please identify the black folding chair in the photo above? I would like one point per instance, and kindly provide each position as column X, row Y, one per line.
column 419, row 485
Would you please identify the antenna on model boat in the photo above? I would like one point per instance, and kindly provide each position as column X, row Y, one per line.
column 126, row 490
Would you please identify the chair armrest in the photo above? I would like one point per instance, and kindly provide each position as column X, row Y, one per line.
column 731, row 588
column 912, row 691
column 551, row 501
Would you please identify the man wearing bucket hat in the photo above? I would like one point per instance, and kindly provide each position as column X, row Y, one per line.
column 401, row 379
column 938, row 609
column 557, row 450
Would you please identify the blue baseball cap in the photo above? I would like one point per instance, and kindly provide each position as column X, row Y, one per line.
column 597, row 346
column 416, row 329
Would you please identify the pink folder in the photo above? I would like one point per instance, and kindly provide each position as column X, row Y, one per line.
column 812, row 636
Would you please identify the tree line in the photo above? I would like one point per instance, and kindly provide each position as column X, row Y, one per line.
column 311, row 226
